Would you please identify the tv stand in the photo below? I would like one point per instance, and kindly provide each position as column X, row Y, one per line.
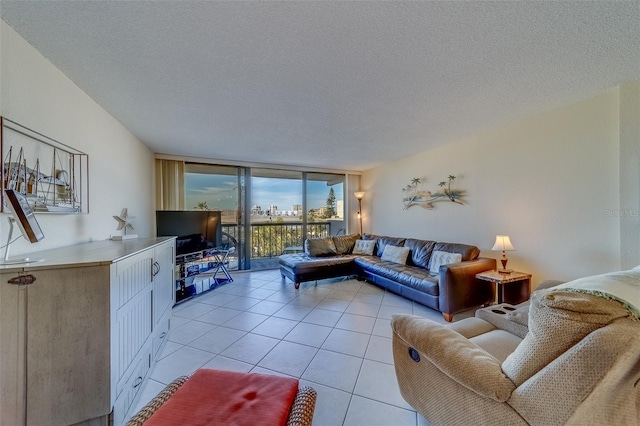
column 201, row 271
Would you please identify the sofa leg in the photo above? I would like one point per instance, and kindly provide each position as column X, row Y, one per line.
column 447, row 317
column 296, row 285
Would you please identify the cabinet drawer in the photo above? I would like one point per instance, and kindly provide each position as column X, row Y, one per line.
column 128, row 388
column 161, row 333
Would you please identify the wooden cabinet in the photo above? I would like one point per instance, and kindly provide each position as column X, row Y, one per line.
column 78, row 342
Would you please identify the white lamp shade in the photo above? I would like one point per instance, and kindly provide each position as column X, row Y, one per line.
column 503, row 243
column 359, row 195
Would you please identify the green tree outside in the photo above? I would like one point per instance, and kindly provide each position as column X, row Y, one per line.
column 201, row 206
column 330, row 211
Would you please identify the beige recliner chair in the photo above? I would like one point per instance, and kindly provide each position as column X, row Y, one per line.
column 578, row 363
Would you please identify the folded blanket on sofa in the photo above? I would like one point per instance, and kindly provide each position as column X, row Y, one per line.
column 622, row 286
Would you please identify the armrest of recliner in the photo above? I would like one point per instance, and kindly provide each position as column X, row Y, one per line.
column 455, row 355
column 459, row 289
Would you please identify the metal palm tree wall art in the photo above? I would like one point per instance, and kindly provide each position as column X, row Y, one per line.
column 414, row 195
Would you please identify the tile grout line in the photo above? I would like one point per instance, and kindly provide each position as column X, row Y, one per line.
column 339, row 294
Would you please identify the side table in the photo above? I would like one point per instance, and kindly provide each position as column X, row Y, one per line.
column 518, row 285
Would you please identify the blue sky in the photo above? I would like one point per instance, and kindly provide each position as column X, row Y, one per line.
column 220, row 192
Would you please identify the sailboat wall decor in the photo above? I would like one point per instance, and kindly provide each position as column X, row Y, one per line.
column 54, row 177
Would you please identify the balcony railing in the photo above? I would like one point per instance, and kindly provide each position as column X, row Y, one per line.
column 271, row 239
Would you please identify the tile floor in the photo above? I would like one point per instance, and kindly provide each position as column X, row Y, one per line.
column 334, row 335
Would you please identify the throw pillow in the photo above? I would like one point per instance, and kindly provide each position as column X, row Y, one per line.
column 320, row 247
column 439, row 258
column 395, row 254
column 364, row 247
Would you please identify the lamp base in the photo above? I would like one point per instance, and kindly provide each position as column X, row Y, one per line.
column 505, row 271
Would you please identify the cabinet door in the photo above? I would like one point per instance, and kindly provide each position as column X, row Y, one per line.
column 163, row 279
column 68, row 345
column 12, row 351
column 133, row 309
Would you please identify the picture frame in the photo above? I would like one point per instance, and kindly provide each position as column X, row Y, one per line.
column 24, row 216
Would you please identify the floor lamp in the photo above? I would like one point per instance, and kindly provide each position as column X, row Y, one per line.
column 359, row 195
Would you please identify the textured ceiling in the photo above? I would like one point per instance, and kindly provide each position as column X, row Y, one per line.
column 340, row 85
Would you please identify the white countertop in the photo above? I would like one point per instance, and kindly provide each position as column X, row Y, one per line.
column 83, row 254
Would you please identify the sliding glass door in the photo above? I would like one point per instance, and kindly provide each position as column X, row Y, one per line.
column 277, row 215
column 289, row 206
column 266, row 212
column 211, row 187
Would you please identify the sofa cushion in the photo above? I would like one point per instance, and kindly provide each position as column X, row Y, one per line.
column 499, row 343
column 320, row 247
column 410, row 276
column 468, row 252
column 439, row 258
column 382, row 241
column 344, row 243
column 365, row 247
column 395, row 254
column 420, row 252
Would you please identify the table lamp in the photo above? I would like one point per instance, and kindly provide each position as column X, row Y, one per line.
column 503, row 243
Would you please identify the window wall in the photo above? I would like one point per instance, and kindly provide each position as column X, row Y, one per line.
column 265, row 212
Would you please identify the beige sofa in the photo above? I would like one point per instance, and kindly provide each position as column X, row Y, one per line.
column 568, row 358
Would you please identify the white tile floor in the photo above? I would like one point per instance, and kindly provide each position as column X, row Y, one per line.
column 334, row 335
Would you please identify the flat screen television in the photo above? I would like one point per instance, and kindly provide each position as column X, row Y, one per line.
column 195, row 229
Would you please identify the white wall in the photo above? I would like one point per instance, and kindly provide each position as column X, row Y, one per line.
column 630, row 174
column 551, row 182
column 36, row 94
